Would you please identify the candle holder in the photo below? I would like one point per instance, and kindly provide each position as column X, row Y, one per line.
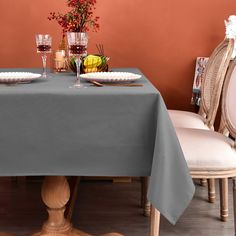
column 60, row 61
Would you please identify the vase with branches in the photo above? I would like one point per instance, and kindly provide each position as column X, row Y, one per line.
column 79, row 18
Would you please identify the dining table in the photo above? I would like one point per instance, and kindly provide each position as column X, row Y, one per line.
column 50, row 128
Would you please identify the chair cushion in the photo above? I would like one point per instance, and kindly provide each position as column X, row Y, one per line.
column 205, row 149
column 185, row 119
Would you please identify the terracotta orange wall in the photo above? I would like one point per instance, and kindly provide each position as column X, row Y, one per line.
column 161, row 37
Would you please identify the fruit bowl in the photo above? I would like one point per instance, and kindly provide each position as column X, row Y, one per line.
column 90, row 63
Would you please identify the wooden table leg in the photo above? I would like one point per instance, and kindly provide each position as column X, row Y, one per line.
column 55, row 195
column 155, row 222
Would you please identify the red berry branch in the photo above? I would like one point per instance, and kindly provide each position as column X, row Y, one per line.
column 79, row 19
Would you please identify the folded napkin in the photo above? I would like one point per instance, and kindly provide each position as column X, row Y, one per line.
column 230, row 32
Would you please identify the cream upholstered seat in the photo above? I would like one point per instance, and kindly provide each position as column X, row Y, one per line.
column 213, row 78
column 213, row 155
column 207, row 150
column 187, row 119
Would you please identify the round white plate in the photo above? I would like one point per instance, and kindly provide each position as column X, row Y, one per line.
column 17, row 77
column 111, row 77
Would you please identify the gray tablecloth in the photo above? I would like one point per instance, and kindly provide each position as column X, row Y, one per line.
column 47, row 128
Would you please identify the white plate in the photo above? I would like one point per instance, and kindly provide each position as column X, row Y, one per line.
column 17, row 77
column 111, row 77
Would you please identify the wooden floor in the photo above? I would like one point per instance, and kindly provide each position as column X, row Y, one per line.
column 105, row 207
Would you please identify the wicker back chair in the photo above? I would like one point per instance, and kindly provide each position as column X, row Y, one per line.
column 210, row 154
column 213, row 79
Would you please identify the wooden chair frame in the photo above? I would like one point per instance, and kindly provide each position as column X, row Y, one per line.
column 226, row 128
column 208, row 109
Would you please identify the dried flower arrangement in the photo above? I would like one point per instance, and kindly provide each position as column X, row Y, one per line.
column 80, row 17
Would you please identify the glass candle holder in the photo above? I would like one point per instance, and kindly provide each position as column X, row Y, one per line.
column 60, row 64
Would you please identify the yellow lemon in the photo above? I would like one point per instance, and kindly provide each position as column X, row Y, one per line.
column 89, row 70
column 92, row 61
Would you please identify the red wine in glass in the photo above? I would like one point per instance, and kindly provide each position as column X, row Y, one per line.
column 44, row 48
column 78, row 49
column 77, row 42
column 43, row 44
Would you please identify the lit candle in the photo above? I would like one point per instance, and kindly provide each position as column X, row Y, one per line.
column 60, row 55
column 60, row 60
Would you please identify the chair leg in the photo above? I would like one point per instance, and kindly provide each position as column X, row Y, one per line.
column 234, row 202
column 203, row 182
column 146, row 205
column 155, row 222
column 224, row 199
column 211, row 190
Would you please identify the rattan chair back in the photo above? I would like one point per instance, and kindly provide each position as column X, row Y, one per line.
column 228, row 117
column 213, row 79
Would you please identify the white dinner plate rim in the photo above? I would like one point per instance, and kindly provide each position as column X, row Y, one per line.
column 14, row 77
column 111, row 76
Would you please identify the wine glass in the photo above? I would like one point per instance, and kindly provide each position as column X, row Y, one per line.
column 44, row 46
column 77, row 42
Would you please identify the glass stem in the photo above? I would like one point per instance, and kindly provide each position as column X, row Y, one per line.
column 78, row 63
column 44, row 59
